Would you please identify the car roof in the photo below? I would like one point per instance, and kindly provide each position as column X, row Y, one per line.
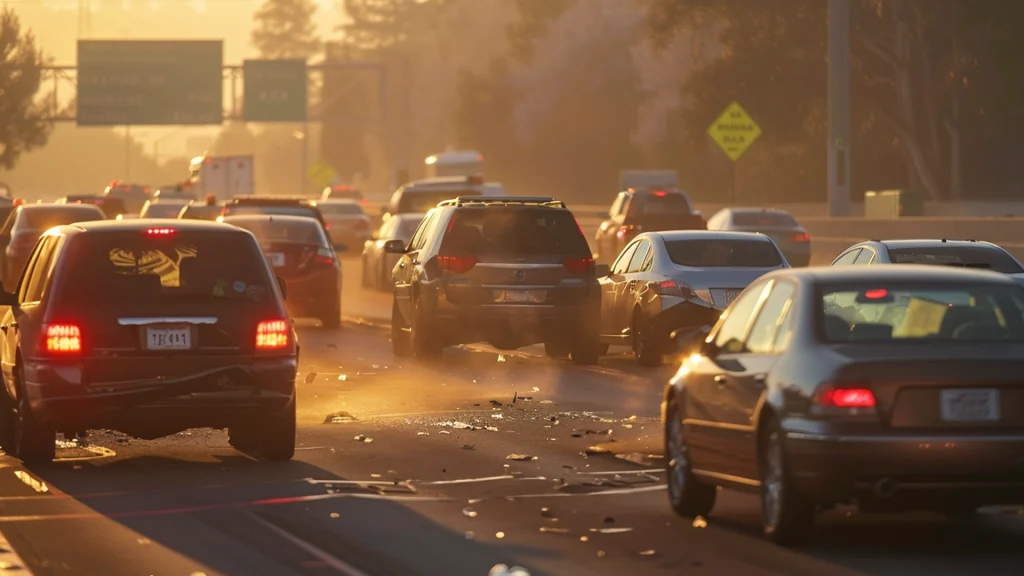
column 137, row 225
column 254, row 199
column 271, row 219
column 441, row 181
column 894, row 272
column 707, row 235
column 933, row 243
column 40, row 207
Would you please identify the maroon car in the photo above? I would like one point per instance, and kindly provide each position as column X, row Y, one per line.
column 24, row 227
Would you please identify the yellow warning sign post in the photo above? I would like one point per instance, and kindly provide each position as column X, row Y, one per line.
column 321, row 174
column 734, row 132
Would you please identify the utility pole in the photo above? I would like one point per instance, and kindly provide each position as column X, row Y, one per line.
column 838, row 107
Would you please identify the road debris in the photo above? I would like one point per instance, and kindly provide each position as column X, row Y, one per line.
column 469, row 512
column 611, row 530
column 550, row 530
column 647, row 552
column 700, row 522
column 340, row 418
column 520, row 457
column 310, row 377
column 363, row 438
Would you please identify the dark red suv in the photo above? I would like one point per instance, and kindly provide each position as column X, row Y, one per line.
column 147, row 327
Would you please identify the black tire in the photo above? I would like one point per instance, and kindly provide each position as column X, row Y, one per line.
column 647, row 347
column 687, row 495
column 585, row 349
column 243, row 438
column 556, row 350
column 426, row 343
column 401, row 339
column 33, row 441
column 787, row 519
column 278, row 435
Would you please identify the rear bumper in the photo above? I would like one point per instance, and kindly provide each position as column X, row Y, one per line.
column 217, row 394
column 684, row 314
column 917, row 469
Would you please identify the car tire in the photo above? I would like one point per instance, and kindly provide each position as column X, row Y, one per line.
column 687, row 495
column 787, row 519
column 243, row 438
column 646, row 346
column 425, row 342
column 556, row 349
column 278, row 432
column 585, row 349
column 33, row 441
column 401, row 339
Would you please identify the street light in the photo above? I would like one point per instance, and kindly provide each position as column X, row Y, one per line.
column 838, row 108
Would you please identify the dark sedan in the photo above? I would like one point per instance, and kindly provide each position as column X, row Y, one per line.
column 897, row 388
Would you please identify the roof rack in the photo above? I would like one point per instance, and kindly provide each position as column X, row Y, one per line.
column 488, row 200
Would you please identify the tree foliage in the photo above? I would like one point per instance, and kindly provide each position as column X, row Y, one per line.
column 285, row 29
column 22, row 119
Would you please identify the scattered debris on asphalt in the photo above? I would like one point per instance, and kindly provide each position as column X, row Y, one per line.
column 340, row 418
column 520, row 457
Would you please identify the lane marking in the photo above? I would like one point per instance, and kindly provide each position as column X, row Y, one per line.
column 328, row 560
column 10, row 562
column 473, row 480
column 616, row 492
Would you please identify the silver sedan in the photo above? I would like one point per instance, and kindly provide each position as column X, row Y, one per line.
column 664, row 281
column 377, row 264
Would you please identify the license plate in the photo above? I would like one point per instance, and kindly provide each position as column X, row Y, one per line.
column 731, row 295
column 276, row 259
column 168, row 338
column 520, row 296
column 969, row 405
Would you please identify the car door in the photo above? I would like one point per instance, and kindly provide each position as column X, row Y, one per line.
column 633, row 282
column 865, row 258
column 5, row 240
column 28, row 310
column 606, row 231
column 610, row 286
column 745, row 384
column 707, row 410
column 405, row 271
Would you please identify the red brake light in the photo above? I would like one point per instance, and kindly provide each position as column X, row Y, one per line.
column 876, row 294
column 272, row 335
column 846, row 397
column 457, row 264
column 475, row 180
column 801, row 237
column 479, row 157
column 364, row 201
column 660, row 193
column 161, row 232
column 324, row 257
column 578, row 266
column 62, row 339
column 145, row 190
column 625, row 231
column 673, row 288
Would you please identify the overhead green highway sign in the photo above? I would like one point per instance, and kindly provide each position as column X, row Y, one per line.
column 274, row 90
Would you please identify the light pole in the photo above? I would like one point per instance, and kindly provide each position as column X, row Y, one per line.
column 838, row 108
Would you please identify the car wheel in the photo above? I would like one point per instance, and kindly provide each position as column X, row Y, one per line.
column 33, row 442
column 556, row 349
column 645, row 343
column 425, row 341
column 786, row 518
column 401, row 339
column 243, row 438
column 278, row 431
column 585, row 349
column 688, row 496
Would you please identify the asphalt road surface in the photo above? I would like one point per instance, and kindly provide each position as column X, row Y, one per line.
column 406, row 469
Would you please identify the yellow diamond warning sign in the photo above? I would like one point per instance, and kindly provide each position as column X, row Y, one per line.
column 734, row 131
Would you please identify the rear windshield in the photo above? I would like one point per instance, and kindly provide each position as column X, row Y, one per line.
column 962, row 256
column 723, row 253
column 341, row 209
column 268, row 232
column 881, row 312
column 345, row 195
column 162, row 210
column 239, row 209
column 661, row 203
column 763, row 219
column 514, row 232
column 107, row 269
column 424, row 201
column 47, row 217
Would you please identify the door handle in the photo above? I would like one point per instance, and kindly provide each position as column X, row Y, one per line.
column 720, row 379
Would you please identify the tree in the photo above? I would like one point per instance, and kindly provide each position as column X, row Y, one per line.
column 23, row 126
column 285, row 29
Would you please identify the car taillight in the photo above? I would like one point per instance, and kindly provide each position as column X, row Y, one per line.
column 364, row 201
column 272, row 335
column 627, row 231
column 801, row 237
column 224, row 211
column 578, row 266
column 845, row 396
column 673, row 288
column 62, row 339
column 457, row 264
column 160, row 232
column 324, row 257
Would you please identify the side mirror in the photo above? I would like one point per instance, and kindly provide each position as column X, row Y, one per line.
column 690, row 339
column 341, row 247
column 602, row 270
column 8, row 299
column 283, row 287
column 394, row 247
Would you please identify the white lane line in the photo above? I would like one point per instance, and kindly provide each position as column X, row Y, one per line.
column 473, row 480
column 339, row 566
column 10, row 562
column 618, row 492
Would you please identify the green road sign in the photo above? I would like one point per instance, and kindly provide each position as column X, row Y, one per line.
column 139, row 82
column 275, row 90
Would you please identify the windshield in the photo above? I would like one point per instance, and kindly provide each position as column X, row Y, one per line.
column 660, row 203
column 269, row 232
column 779, row 219
column 44, row 218
column 514, row 232
column 112, row 268
column 341, row 209
column 237, row 209
column 725, row 253
column 893, row 312
column 424, row 201
column 982, row 256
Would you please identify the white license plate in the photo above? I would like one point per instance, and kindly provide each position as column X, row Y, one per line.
column 168, row 338
column 731, row 295
column 969, row 404
column 276, row 259
column 520, row 296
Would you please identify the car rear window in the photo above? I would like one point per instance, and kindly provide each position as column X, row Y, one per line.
column 241, row 209
column 109, row 268
column 406, row 228
column 724, row 253
column 268, row 232
column 44, row 218
column 507, row 231
column 881, row 312
column 763, row 219
column 661, row 203
column 984, row 257
column 424, row 201
column 341, row 209
column 348, row 194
